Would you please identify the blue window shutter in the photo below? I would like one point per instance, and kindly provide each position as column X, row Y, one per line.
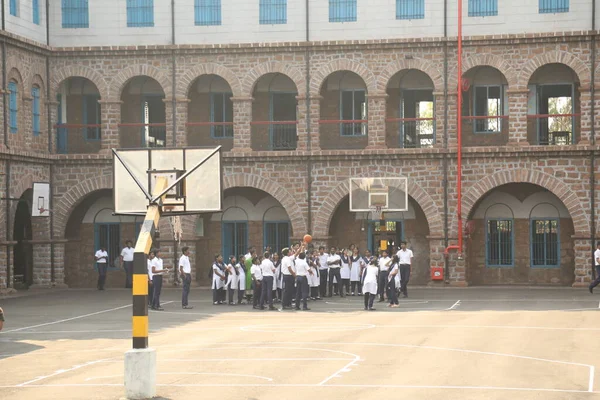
column 342, row 10
column 483, row 8
column 208, row 12
column 36, row 11
column 410, row 9
column 35, row 94
column 75, row 14
column 273, row 12
column 13, row 107
column 553, row 6
column 140, row 13
column 13, row 8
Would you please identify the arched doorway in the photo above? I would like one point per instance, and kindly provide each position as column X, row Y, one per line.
column 22, row 234
column 521, row 233
column 364, row 231
column 143, row 114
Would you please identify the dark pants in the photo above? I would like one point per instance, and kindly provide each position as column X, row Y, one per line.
column 256, row 293
column 382, row 284
column 369, row 299
column 404, row 277
column 392, row 295
column 222, row 294
column 150, row 293
column 267, row 291
column 157, row 283
column 216, row 295
column 128, row 265
column 187, row 281
column 355, row 287
column 240, row 294
column 323, row 273
column 335, row 273
column 230, row 294
column 346, row 285
column 288, row 290
column 597, row 281
column 301, row 291
column 102, row 268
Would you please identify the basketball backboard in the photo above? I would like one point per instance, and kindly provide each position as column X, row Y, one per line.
column 385, row 194
column 40, row 204
column 193, row 175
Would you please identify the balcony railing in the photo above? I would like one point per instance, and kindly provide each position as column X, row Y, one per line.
column 210, row 134
column 135, row 135
column 274, row 135
column 486, row 123
column 78, row 138
column 413, row 133
column 554, row 129
column 349, row 128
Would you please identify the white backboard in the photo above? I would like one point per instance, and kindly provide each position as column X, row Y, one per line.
column 364, row 190
column 40, row 204
column 202, row 188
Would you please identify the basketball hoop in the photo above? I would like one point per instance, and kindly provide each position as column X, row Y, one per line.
column 43, row 210
column 177, row 228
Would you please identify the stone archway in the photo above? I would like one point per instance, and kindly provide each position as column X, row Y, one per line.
column 555, row 57
column 194, row 73
column 343, row 64
column 490, row 60
column 254, row 75
column 424, row 66
column 71, row 71
column 122, row 78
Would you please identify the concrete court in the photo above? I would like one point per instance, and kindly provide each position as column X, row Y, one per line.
column 474, row 343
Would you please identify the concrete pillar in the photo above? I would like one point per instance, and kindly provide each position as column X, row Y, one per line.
column 517, row 116
column 242, row 131
column 376, row 117
column 110, row 112
column 584, row 122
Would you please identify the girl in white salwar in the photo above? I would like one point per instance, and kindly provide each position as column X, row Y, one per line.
column 239, row 267
column 218, row 279
column 370, row 284
column 345, row 271
column 232, row 279
column 276, row 285
column 355, row 261
column 313, row 279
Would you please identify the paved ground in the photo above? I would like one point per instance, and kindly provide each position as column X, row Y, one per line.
column 474, row 343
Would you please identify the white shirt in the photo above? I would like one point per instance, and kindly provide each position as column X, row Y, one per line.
column 406, row 256
column 597, row 256
column 184, row 261
column 127, row 253
column 256, row 271
column 157, row 263
column 101, row 253
column 150, row 269
column 301, row 267
column 382, row 263
column 267, row 268
column 394, row 269
column 332, row 258
column 287, row 261
column 323, row 261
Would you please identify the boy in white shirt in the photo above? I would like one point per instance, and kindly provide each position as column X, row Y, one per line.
column 150, row 287
column 405, row 256
column 256, row 274
column 185, row 269
column 302, row 272
column 384, row 266
column 268, row 274
column 323, row 271
column 157, row 278
column 102, row 264
column 127, row 261
column 334, row 261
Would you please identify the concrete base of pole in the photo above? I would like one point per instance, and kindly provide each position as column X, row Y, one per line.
column 140, row 374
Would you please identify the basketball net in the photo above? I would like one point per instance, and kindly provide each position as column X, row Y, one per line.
column 177, row 228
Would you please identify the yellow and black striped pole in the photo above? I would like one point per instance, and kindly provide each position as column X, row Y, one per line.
column 140, row 270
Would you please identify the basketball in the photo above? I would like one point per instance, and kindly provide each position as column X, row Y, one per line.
column 307, row 238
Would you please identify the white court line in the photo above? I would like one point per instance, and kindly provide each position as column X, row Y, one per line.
column 190, row 373
column 454, row 306
column 402, row 302
column 59, row 372
column 253, row 359
column 92, row 331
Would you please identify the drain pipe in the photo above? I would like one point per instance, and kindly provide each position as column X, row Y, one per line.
column 174, row 124
column 7, row 171
column 50, row 150
column 445, row 155
column 308, row 125
column 593, row 131
column 459, row 247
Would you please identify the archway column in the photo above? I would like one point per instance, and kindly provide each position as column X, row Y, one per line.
column 451, row 103
column 439, row 101
column 52, row 110
column 242, row 131
column 376, row 120
column 110, row 112
column 585, row 120
column 517, row 116
column 583, row 267
column 181, row 115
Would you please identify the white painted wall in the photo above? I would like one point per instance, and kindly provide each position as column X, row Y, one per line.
column 376, row 19
column 22, row 24
column 504, row 205
column 238, row 208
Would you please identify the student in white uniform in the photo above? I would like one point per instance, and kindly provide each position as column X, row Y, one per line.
column 102, row 264
column 334, row 261
column 323, row 271
column 127, row 261
column 276, row 262
column 597, row 267
column 384, row 266
column 313, row 278
column 370, row 284
column 302, row 272
column 268, row 274
column 232, row 279
column 391, row 286
column 150, row 287
column 405, row 256
column 278, row 278
column 185, row 269
column 256, row 274
column 157, row 279
column 289, row 275
column 239, row 267
column 218, row 279
column 345, row 270
column 355, row 260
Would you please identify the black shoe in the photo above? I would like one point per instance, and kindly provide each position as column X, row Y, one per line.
column 591, row 290
column 187, row 307
column 159, row 309
column 261, row 308
column 371, row 309
column 271, row 308
column 381, row 300
column 297, row 308
column 366, row 308
column 256, row 307
column 306, row 309
column 404, row 296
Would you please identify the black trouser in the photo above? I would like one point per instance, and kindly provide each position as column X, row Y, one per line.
column 256, row 293
column 355, row 287
column 382, row 284
column 288, row 290
column 597, row 281
column 102, row 268
column 157, row 283
column 301, row 291
column 267, row 291
column 240, row 292
column 335, row 273
column 150, row 293
column 392, row 295
column 369, row 299
column 222, row 294
column 187, row 281
column 230, row 293
column 216, row 294
column 404, row 277
column 314, row 291
column 128, row 265
column 346, row 285
column 323, row 273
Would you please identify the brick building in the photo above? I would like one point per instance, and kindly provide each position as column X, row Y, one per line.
column 303, row 97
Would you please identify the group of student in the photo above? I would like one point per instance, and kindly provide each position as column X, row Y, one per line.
column 302, row 273
column 156, row 271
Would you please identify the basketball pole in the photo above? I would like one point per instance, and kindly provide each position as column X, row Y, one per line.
column 140, row 362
